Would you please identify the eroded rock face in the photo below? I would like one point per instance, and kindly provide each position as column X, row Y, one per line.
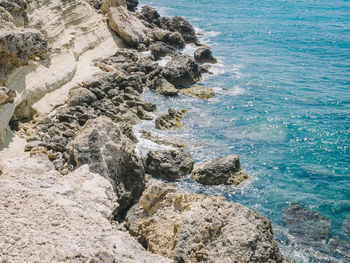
column 101, row 144
column 181, row 71
column 168, row 164
column 170, row 120
column 6, row 95
column 197, row 228
column 308, row 226
column 178, row 23
column 204, row 55
column 17, row 48
column 160, row 49
column 162, row 86
column 199, row 91
column 127, row 26
column 226, row 170
column 63, row 218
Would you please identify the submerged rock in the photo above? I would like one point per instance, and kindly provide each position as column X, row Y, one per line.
column 170, row 120
column 225, row 170
column 174, row 142
column 196, row 228
column 168, row 164
column 181, row 71
column 199, row 91
column 101, row 144
column 204, row 55
column 309, row 227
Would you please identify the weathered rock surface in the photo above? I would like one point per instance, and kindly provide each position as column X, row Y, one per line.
column 181, row 25
column 170, row 120
column 168, row 164
column 181, row 71
column 199, row 91
column 6, row 95
column 163, row 140
column 162, row 86
column 47, row 217
column 17, row 48
column 197, row 228
column 204, row 55
column 101, row 144
column 160, row 49
column 127, row 26
column 225, row 170
column 309, row 227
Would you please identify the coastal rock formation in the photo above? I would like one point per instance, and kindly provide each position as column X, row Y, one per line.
column 181, row 71
column 181, row 25
column 101, row 144
column 197, row 228
column 308, row 226
column 170, row 120
column 225, row 170
column 162, row 86
column 168, row 164
column 6, row 95
column 160, row 49
column 47, row 217
column 163, row 140
column 199, row 91
column 204, row 55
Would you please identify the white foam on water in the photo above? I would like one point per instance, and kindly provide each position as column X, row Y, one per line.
column 145, row 53
column 162, row 62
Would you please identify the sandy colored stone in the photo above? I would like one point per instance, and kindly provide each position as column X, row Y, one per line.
column 199, row 91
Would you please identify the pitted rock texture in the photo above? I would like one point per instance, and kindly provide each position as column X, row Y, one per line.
column 204, row 55
column 6, row 95
column 178, row 23
column 102, row 145
column 170, row 120
column 197, row 228
column 225, row 170
column 199, row 91
column 168, row 164
column 47, row 217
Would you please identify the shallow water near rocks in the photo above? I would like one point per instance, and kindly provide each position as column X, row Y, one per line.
column 282, row 105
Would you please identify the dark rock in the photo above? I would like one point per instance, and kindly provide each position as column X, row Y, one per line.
column 111, row 154
column 205, row 69
column 81, row 96
column 204, row 55
column 309, row 227
column 225, row 170
column 149, row 14
column 170, row 120
column 175, row 39
column 181, row 71
column 160, row 49
column 95, row 3
column 132, row 4
column 168, row 164
column 163, row 87
column 179, row 24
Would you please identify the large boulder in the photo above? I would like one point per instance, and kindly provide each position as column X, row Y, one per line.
column 101, row 144
column 170, row 120
column 204, row 55
column 225, row 170
column 150, row 14
column 130, row 29
column 178, row 23
column 181, row 71
column 168, row 164
column 160, row 49
column 19, row 47
column 199, row 91
column 163, row 87
column 197, row 228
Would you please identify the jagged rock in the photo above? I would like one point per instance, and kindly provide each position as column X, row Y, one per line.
column 96, row 3
column 204, row 55
column 127, row 26
column 17, row 48
column 6, row 95
column 168, row 164
column 199, row 91
column 179, row 24
column 150, row 15
column 196, row 228
column 160, row 49
column 309, row 227
column 81, row 96
column 175, row 39
column 205, row 69
column 225, row 170
column 16, row 9
column 111, row 154
column 132, row 4
column 163, row 87
column 47, row 217
column 170, row 120
column 181, row 71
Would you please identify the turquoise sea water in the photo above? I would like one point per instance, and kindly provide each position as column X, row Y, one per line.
column 282, row 105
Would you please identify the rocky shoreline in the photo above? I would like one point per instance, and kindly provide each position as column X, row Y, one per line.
column 80, row 157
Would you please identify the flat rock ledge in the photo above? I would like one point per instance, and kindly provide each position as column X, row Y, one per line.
column 47, row 217
column 196, row 228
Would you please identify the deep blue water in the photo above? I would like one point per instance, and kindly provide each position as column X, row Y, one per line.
column 282, row 105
